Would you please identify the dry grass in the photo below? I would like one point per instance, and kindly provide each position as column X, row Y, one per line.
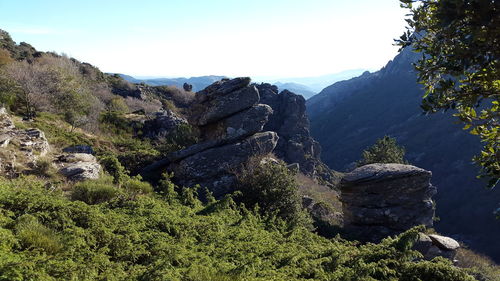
column 481, row 267
column 319, row 192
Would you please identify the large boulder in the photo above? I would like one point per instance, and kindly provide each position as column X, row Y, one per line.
column 433, row 245
column 215, row 167
column 223, row 99
column 386, row 199
column 79, row 166
column 239, row 125
column 162, row 123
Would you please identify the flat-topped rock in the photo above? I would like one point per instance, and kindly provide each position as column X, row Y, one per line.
column 386, row 199
column 444, row 243
column 378, row 171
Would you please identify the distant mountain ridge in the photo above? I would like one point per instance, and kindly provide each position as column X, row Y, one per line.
column 199, row 83
column 351, row 115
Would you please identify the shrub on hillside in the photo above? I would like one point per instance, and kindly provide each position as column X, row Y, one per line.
column 95, row 191
column 34, row 235
column 272, row 187
column 385, row 150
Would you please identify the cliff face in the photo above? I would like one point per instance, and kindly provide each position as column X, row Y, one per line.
column 238, row 120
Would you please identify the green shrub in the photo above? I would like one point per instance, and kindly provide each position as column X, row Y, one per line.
column 114, row 168
column 95, row 191
column 385, row 150
column 43, row 168
column 273, row 187
column 135, row 186
column 33, row 234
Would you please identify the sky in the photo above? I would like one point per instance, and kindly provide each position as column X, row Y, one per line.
column 174, row 38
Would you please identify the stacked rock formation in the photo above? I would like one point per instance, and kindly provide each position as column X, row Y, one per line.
column 290, row 121
column 386, row 199
column 234, row 117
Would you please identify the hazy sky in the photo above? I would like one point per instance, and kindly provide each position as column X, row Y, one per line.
column 281, row 38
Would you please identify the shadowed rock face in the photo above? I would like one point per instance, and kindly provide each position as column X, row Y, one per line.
column 290, row 121
column 386, row 199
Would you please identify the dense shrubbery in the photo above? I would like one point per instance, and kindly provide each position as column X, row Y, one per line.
column 45, row 236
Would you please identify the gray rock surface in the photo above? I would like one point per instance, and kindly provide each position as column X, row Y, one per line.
column 223, row 99
column 233, row 122
column 386, row 199
column 162, row 123
column 215, row 167
column 20, row 149
column 239, row 125
column 79, row 166
column 290, row 121
column 81, row 171
column 433, row 245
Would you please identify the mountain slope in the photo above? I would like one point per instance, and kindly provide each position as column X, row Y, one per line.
column 297, row 88
column 199, row 83
column 348, row 116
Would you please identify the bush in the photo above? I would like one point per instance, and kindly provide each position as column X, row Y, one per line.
column 95, row 191
column 135, row 186
column 33, row 234
column 272, row 187
column 385, row 150
column 114, row 168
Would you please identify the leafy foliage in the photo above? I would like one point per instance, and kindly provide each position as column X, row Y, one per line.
column 274, row 189
column 385, row 150
column 45, row 236
column 460, row 66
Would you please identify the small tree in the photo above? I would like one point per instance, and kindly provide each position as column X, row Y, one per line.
column 273, row 188
column 385, row 150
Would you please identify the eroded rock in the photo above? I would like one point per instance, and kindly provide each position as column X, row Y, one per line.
column 386, row 199
column 215, row 167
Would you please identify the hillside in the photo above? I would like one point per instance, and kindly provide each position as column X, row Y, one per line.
column 103, row 179
column 351, row 115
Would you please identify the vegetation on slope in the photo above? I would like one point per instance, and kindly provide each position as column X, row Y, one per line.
column 173, row 236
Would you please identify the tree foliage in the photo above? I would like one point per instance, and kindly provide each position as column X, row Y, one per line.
column 385, row 150
column 460, row 66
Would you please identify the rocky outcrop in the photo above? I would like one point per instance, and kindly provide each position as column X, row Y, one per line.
column 20, row 148
column 161, row 124
column 233, row 118
column 385, row 199
column 290, row 121
column 433, row 245
column 79, row 166
column 215, row 166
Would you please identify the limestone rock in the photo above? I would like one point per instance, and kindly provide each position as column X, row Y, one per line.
column 214, row 167
column 79, row 166
column 239, row 125
column 80, row 171
column 162, row 123
column 444, row 243
column 290, row 121
column 223, row 99
column 386, row 199
column 433, row 245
